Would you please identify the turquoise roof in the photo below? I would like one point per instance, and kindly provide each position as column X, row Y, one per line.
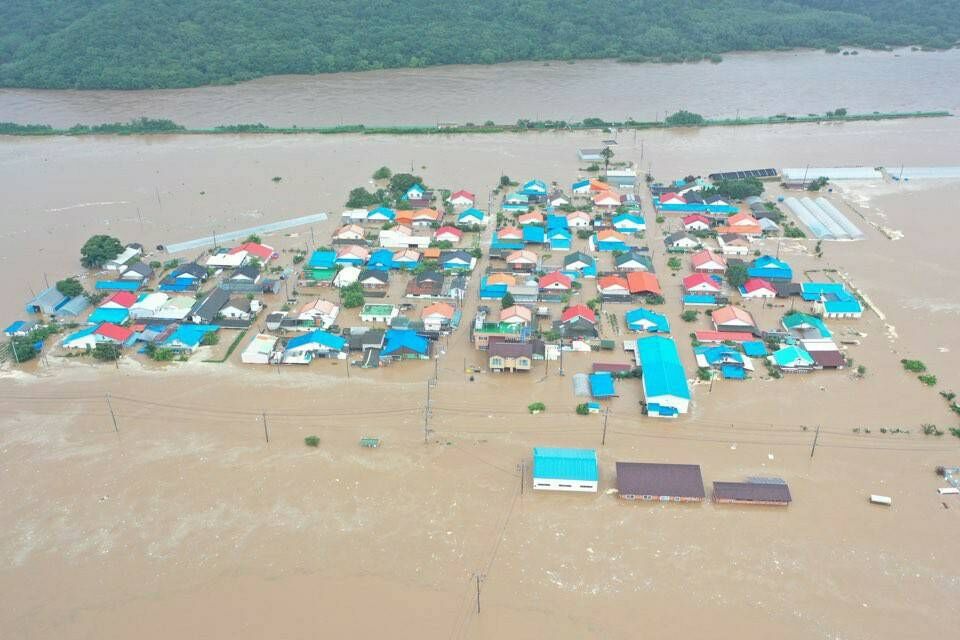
column 628, row 217
column 640, row 314
column 601, row 385
column 83, row 333
column 720, row 354
column 382, row 212
column 399, row 339
column 322, row 259
column 471, row 214
column 190, row 334
column 565, row 464
column 662, row 371
column 799, row 320
column 789, row 356
column 533, row 234
column 116, row 316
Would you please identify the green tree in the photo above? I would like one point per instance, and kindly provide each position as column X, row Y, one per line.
column 352, row 296
column 360, row 198
column 22, row 348
column 106, row 351
column 383, row 173
column 401, row 182
column 673, row 262
column 98, row 249
column 607, row 153
column 737, row 189
column 70, row 287
column 507, row 300
column 690, row 315
column 684, row 118
column 737, row 274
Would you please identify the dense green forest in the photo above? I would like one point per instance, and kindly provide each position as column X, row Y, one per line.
column 132, row 44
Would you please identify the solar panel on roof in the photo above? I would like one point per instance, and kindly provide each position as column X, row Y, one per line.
column 745, row 173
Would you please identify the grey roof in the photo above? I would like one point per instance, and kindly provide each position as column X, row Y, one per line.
column 634, row 256
column 577, row 256
column 242, row 303
column 144, row 270
column 430, row 276
column 447, row 256
column 372, row 338
column 751, row 491
column 786, row 289
column 378, row 274
column 654, row 479
column 249, row 271
column 208, row 308
column 677, row 235
column 510, row 349
column 191, row 268
column 46, row 301
column 74, row 307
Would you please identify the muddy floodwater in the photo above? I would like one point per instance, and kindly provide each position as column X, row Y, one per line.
column 751, row 84
column 183, row 521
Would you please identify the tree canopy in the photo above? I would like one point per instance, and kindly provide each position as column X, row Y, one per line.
column 70, row 287
column 118, row 44
column 98, row 250
column 736, row 274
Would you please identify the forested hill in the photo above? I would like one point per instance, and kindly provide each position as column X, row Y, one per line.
column 132, row 44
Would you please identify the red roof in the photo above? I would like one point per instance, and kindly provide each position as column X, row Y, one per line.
column 448, row 230
column 113, row 331
column 263, row 252
column 754, row 284
column 722, row 336
column 695, row 279
column 463, row 193
column 122, row 298
column 612, row 367
column 555, row 277
column 579, row 310
column 643, row 282
column 701, row 258
column 670, row 195
column 696, row 217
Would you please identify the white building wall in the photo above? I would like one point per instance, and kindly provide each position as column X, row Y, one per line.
column 554, row 484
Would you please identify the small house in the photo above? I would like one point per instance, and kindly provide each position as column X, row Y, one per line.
column 456, row 261
column 707, row 261
column 559, row 239
column 303, row 349
column 580, row 263
column 509, row 233
column 516, row 315
column 254, row 251
column 317, row 313
column 137, row 272
column 448, row 234
column 405, row 344
column 733, row 244
column 731, row 318
column 792, row 358
column 681, row 241
column 349, row 232
column 757, row 288
column 633, row 261
column 381, row 215
column 437, row 316
column 534, row 188
column 696, row 222
column 701, row 283
column 531, row 217
column 352, row 255
column 579, row 220
column 406, row 259
column 755, row 493
column 522, row 260
column 374, row 279
column 472, row 217
column 555, row 281
column 415, row 192
column 119, row 262
column 578, row 311
column 608, row 200
column 149, row 305
column 629, row 223
column 665, row 389
column 462, row 198
column 509, row 356
column 206, row 310
column 770, row 268
column 379, row 313
column 557, row 469
column 533, row 234
column 239, row 308
column 609, row 240
column 261, row 350
column 613, row 286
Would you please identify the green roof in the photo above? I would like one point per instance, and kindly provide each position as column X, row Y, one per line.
column 499, row 327
column 377, row 309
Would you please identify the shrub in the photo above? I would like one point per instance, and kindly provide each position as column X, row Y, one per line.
column 106, row 351
column 674, row 262
column 583, row 409
column 383, row 173
column 684, row 118
column 861, row 371
column 536, row 407
column 704, row 373
column 312, row 441
column 210, row 338
column 276, row 178
column 928, row 379
column 660, row 219
column 955, row 432
column 690, row 315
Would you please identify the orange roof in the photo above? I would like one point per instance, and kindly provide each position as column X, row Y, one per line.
column 578, row 214
column 530, row 217
column 742, row 218
column 730, row 313
column 606, row 196
column 426, row 214
column 599, row 185
column 611, row 234
column 501, row 278
column 516, row 310
column 438, row 308
column 522, row 255
column 750, row 230
column 701, row 258
column 431, row 253
column 506, row 232
column 611, row 281
column 643, row 282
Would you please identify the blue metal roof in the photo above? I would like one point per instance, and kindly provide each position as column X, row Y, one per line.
column 533, row 234
column 534, row 187
column 322, row 259
column 382, row 212
column 83, row 333
column 797, row 320
column 117, row 285
column 13, row 328
column 662, row 371
column 555, row 222
column 699, row 299
column 116, row 316
column 399, row 339
column 792, row 356
column 322, row 338
column 565, row 464
column 601, row 385
column 769, row 267
column 754, row 348
column 733, row 372
column 471, row 213
column 190, row 334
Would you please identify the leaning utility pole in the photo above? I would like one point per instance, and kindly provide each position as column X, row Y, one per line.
column 266, row 431
column 606, row 414
column 816, row 437
column 113, row 416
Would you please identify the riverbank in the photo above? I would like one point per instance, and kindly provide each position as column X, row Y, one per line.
column 147, row 126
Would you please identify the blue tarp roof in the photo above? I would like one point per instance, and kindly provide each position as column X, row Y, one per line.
column 601, row 385
column 565, row 464
column 662, row 371
column 322, row 259
column 399, row 339
column 116, row 316
column 323, row 338
column 117, row 285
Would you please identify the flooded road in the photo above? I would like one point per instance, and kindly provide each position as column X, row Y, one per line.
column 752, row 84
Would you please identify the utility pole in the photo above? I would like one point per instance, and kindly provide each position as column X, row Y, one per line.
column 478, row 593
column 266, row 431
column 522, row 467
column 816, row 437
column 426, row 416
column 46, row 280
column 606, row 414
column 113, row 416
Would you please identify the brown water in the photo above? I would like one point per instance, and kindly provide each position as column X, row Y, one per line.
column 189, row 524
column 755, row 84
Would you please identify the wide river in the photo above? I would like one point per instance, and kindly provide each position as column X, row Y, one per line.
column 749, row 84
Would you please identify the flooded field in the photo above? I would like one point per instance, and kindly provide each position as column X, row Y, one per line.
column 750, row 84
column 185, row 521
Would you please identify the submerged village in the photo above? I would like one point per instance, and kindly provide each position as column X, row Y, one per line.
column 616, row 271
